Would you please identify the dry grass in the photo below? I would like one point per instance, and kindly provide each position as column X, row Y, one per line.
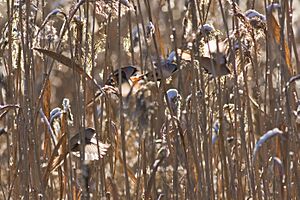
column 232, row 133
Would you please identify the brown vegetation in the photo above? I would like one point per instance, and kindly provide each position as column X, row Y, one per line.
column 153, row 99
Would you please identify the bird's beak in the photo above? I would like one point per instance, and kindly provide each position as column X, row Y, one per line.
column 136, row 79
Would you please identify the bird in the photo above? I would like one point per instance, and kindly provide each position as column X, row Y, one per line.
column 214, row 63
column 164, row 70
column 91, row 145
column 126, row 73
column 129, row 78
column 213, row 56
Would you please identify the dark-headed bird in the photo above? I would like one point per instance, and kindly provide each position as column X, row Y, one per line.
column 91, row 145
column 128, row 78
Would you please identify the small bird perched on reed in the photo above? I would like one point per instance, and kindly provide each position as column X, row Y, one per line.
column 91, row 145
column 129, row 78
column 163, row 70
column 126, row 73
column 93, row 148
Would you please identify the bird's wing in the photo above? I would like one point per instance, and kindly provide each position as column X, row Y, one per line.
column 91, row 151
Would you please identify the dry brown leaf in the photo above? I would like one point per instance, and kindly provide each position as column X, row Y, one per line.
column 160, row 42
column 113, row 188
column 62, row 59
column 69, row 63
column 46, row 108
column 119, row 156
column 274, row 30
column 55, row 159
